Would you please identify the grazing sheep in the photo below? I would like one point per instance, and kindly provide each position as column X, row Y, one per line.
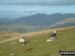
column 22, row 40
column 53, row 35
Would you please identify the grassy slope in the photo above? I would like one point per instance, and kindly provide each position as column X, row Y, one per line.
column 19, row 28
column 64, row 23
column 5, row 35
column 65, row 41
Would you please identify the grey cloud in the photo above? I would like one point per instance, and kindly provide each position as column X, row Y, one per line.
column 65, row 2
column 55, row 3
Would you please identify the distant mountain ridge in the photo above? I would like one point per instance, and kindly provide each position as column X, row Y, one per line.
column 41, row 19
column 24, row 29
column 0, row 22
column 5, row 20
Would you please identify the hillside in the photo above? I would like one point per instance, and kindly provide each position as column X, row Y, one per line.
column 39, row 47
column 24, row 29
column 20, row 28
column 6, row 35
column 38, row 22
column 41, row 19
column 64, row 23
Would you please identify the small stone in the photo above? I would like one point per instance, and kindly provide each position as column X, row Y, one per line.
column 12, row 54
column 49, row 40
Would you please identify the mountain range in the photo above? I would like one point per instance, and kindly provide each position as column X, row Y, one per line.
column 37, row 22
column 41, row 19
column 5, row 20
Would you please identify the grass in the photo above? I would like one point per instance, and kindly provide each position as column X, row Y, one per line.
column 5, row 35
column 39, row 47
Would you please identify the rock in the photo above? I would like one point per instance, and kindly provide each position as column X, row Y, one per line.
column 49, row 40
column 12, row 54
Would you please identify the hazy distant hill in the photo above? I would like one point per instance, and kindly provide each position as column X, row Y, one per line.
column 42, row 19
column 23, row 29
column 5, row 20
column 39, row 22
column 0, row 22
column 63, row 23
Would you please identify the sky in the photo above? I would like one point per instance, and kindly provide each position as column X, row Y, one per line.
column 18, row 8
column 38, row 2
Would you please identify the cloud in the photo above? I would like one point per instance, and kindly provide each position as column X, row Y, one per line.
column 65, row 2
column 39, row 2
